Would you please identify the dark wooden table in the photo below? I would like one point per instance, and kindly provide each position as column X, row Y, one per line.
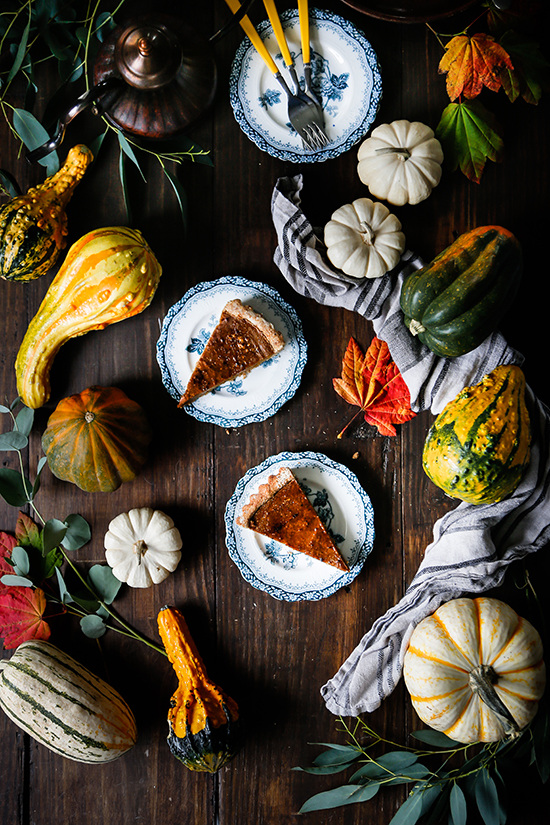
column 272, row 656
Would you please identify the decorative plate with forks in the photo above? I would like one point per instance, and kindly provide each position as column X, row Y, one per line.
column 187, row 327
column 345, row 75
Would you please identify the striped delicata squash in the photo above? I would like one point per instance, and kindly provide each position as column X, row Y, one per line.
column 64, row 706
column 33, row 227
column 108, row 275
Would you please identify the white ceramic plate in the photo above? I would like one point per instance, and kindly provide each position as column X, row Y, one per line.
column 266, row 388
column 342, row 504
column 345, row 74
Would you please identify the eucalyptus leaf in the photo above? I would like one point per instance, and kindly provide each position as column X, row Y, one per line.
column 104, row 582
column 86, row 602
column 397, row 760
column 13, row 440
column 13, row 487
column 344, row 795
column 181, row 196
column 24, row 420
column 336, row 755
column 20, row 559
column 487, row 798
column 52, row 535
column 124, row 185
column 4, row 409
column 459, row 809
column 16, row 581
column 129, row 152
column 96, row 144
column 40, row 467
column 102, row 612
column 11, row 188
column 435, row 738
column 93, row 626
column 419, row 801
column 21, row 51
column 325, row 770
column 33, row 134
column 78, row 532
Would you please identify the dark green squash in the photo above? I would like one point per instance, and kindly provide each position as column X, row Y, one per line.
column 478, row 447
column 458, row 300
column 203, row 722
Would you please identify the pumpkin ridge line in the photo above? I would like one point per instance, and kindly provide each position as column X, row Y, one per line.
column 451, row 638
column 423, row 655
column 519, row 626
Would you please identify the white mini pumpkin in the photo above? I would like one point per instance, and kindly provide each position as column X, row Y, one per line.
column 142, row 546
column 474, row 670
column 364, row 239
column 400, row 162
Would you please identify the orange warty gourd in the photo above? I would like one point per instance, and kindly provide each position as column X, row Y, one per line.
column 108, row 275
column 97, row 439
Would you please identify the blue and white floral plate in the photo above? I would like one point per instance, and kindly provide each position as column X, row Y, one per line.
column 345, row 75
column 344, row 507
column 266, row 388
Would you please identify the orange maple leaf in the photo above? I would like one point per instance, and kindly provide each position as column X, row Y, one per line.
column 372, row 382
column 21, row 615
column 472, row 63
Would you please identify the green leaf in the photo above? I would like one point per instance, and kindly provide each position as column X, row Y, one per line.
column 93, row 626
column 24, row 420
column 11, row 188
column 33, row 134
column 20, row 559
column 13, row 489
column 325, row 770
column 51, row 562
column 52, row 535
column 104, row 582
column 129, row 152
column 13, row 441
column 336, row 755
column 487, row 798
column 419, row 801
column 40, row 467
column 435, row 738
column 27, row 532
column 530, row 72
column 470, row 136
column 124, row 185
column 459, row 810
column 180, row 195
column 78, row 532
column 96, row 144
column 16, row 581
column 345, row 795
column 21, row 51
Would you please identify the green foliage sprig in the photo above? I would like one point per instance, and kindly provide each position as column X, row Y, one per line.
column 43, row 549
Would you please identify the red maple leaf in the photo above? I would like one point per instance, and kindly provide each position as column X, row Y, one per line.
column 472, row 63
column 22, row 615
column 373, row 382
column 7, row 543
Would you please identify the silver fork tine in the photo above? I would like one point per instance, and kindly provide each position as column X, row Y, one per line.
column 303, row 12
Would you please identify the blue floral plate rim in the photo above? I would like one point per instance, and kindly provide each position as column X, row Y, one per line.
column 281, row 572
column 345, row 127
column 246, row 400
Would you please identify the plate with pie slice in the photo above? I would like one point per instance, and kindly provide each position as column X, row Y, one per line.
column 231, row 351
column 261, row 527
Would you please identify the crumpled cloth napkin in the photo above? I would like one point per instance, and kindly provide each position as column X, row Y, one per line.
column 473, row 545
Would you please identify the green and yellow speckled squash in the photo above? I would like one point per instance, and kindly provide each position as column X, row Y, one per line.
column 97, row 439
column 203, row 722
column 108, row 275
column 478, row 447
column 454, row 303
column 64, row 706
column 33, row 227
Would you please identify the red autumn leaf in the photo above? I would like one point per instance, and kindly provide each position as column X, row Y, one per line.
column 21, row 615
column 27, row 532
column 472, row 63
column 373, row 383
column 7, row 543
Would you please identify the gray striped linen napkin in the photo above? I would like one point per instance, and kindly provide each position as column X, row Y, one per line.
column 473, row 545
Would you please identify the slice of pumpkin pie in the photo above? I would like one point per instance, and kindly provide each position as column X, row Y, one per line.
column 242, row 339
column 281, row 510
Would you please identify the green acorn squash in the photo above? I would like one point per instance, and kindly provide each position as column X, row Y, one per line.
column 458, row 300
column 33, row 227
column 478, row 447
column 203, row 722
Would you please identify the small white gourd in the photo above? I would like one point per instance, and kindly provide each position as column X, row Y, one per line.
column 400, row 162
column 364, row 239
column 142, row 546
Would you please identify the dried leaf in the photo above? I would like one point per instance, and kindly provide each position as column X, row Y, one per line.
column 21, row 615
column 372, row 382
column 469, row 136
column 472, row 63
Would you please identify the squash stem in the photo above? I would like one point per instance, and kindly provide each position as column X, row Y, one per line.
column 482, row 679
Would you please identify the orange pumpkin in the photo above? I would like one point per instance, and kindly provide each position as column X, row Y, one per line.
column 97, row 439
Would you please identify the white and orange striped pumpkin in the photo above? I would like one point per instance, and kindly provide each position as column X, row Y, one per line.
column 474, row 670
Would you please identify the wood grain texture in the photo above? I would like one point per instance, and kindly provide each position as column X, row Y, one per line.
column 271, row 656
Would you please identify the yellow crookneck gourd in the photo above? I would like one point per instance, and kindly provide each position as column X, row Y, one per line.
column 108, row 275
column 33, row 227
column 203, row 722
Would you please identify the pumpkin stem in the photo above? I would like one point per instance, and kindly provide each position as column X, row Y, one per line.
column 140, row 548
column 367, row 233
column 89, row 417
column 415, row 327
column 482, row 679
column 402, row 153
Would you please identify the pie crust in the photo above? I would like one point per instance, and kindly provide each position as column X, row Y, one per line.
column 242, row 339
column 281, row 510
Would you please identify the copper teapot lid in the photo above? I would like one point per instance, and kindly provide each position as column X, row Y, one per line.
column 148, row 56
